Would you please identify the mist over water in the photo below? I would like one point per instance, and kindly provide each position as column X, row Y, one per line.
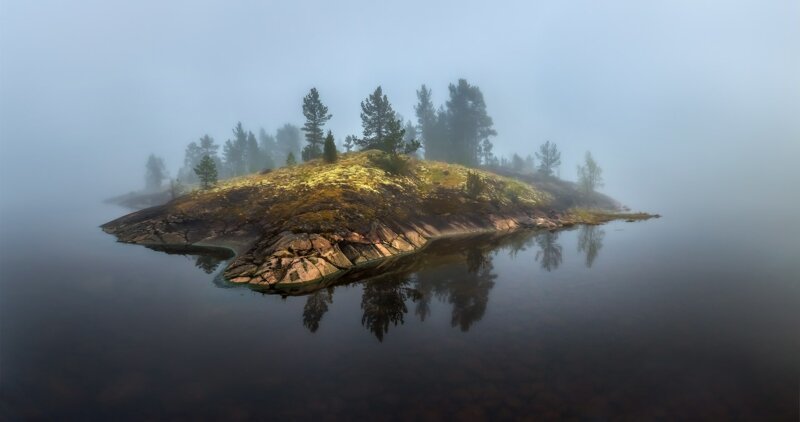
column 689, row 107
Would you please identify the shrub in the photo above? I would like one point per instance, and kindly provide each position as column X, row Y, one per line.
column 474, row 185
column 391, row 163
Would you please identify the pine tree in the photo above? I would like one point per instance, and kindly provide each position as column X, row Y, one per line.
column 316, row 115
column 376, row 116
column 329, row 152
column 207, row 172
column 549, row 158
column 155, row 172
column 290, row 160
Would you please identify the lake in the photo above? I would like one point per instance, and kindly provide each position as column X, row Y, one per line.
column 682, row 317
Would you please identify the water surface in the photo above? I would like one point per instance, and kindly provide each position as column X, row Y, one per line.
column 666, row 318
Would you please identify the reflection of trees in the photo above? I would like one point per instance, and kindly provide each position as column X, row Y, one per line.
column 207, row 263
column 550, row 251
column 470, row 294
column 384, row 302
column 464, row 283
column 316, row 307
column 590, row 241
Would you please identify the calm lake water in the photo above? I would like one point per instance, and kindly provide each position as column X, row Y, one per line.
column 676, row 318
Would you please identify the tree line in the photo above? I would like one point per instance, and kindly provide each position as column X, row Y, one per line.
column 459, row 131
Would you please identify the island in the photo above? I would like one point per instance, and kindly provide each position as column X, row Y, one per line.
column 299, row 228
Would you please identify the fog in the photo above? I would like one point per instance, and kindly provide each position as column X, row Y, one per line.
column 686, row 105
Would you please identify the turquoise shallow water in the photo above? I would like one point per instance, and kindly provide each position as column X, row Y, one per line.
column 666, row 318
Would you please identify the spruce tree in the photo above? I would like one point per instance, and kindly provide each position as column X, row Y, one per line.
column 316, row 115
column 207, row 172
column 329, row 152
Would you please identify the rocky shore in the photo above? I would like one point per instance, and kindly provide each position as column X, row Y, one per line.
column 300, row 228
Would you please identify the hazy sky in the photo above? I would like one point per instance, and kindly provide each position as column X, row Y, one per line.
column 680, row 101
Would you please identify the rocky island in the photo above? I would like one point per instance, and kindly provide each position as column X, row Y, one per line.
column 299, row 228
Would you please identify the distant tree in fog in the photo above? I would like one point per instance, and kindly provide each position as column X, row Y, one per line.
column 517, row 163
column 290, row 160
column 426, row 122
column 529, row 164
column 235, row 152
column 329, row 153
column 267, row 149
column 549, row 158
column 316, row 115
column 590, row 175
column 253, row 155
column 410, row 132
column 194, row 153
column 349, row 143
column 487, row 157
column 287, row 140
column 207, row 172
column 468, row 123
column 155, row 173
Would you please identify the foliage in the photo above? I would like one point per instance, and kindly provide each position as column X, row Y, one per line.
column 329, row 151
column 394, row 164
column 474, row 186
column 549, row 158
column 316, row 115
column 590, row 175
column 207, row 172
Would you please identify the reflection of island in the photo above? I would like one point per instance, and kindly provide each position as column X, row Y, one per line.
column 454, row 272
column 549, row 254
column 205, row 258
column 590, row 241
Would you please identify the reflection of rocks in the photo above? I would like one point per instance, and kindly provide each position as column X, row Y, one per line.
column 549, row 254
column 590, row 241
column 207, row 263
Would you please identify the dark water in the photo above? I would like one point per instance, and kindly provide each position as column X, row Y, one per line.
column 670, row 319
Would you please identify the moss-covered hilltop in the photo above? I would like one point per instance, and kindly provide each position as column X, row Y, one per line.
column 295, row 227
